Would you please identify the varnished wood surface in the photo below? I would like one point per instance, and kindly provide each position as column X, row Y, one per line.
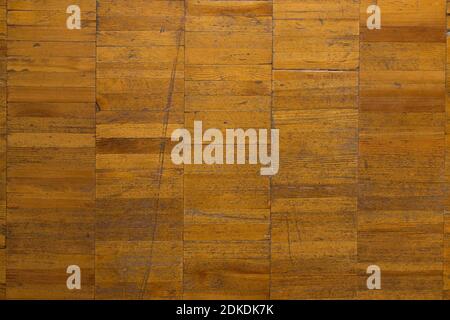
column 86, row 176
column 3, row 149
column 51, row 150
column 401, row 150
column 140, row 101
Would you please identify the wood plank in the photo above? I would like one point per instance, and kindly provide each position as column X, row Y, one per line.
column 314, row 195
column 296, row 29
column 140, row 101
column 51, row 158
column 401, row 145
column 227, row 207
column 446, row 275
column 3, row 11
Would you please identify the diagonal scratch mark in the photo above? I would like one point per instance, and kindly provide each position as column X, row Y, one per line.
column 289, row 239
column 162, row 149
column 298, row 230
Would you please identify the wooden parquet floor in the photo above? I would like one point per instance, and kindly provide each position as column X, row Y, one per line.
column 86, row 176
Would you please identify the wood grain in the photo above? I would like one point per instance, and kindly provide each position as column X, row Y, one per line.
column 446, row 273
column 311, row 34
column 401, row 150
column 3, row 79
column 314, row 195
column 140, row 101
column 316, row 109
column 86, row 176
column 227, row 208
column 51, row 149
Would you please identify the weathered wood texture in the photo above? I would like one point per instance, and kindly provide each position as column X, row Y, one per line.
column 314, row 196
column 402, row 149
column 227, row 208
column 140, row 101
column 2, row 149
column 447, row 170
column 85, row 123
column 51, row 149
column 311, row 34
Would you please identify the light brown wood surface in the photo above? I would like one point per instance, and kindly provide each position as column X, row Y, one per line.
column 3, row 149
column 402, row 147
column 86, row 176
column 51, row 149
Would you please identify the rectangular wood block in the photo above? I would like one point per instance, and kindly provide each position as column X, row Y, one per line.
column 227, row 208
column 314, row 196
column 51, row 149
column 311, row 34
column 446, row 235
column 140, row 101
column 402, row 149
column 3, row 10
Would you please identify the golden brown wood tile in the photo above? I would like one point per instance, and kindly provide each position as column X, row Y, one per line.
column 401, row 150
column 140, row 101
column 3, row 10
column 51, row 150
column 227, row 208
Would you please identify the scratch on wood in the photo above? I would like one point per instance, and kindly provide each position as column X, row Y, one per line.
column 289, row 239
column 162, row 149
column 298, row 230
